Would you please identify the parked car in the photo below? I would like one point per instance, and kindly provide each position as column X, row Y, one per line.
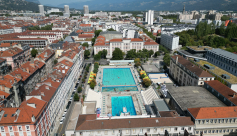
column 73, row 93
column 64, row 114
column 65, row 111
column 61, row 121
column 71, row 99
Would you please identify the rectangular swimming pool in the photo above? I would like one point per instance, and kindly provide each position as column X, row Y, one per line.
column 118, row 102
column 117, row 76
column 119, row 89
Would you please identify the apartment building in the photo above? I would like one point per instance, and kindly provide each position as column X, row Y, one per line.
column 16, row 55
column 36, row 42
column 223, row 59
column 38, row 113
column 144, row 42
column 186, row 73
column 48, row 57
column 170, row 41
column 214, row 121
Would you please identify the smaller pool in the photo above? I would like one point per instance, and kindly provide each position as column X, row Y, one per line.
column 118, row 102
column 119, row 88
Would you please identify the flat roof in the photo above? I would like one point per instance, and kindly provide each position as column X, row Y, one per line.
column 121, row 61
column 161, row 105
column 160, row 78
column 187, row 54
column 218, row 71
column 199, row 48
column 193, row 97
column 150, row 69
column 89, row 107
column 225, row 54
column 72, row 122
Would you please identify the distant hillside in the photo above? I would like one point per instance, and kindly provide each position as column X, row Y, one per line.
column 159, row 5
column 18, row 5
column 35, row 1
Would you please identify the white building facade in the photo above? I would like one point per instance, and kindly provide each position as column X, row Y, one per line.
column 170, row 41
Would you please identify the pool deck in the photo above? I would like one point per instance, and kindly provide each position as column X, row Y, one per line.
column 138, row 103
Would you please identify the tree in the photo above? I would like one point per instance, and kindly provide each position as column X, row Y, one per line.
column 142, row 76
column 97, row 57
column 138, row 64
column 85, row 44
column 146, row 82
column 117, row 54
column 166, row 59
column 97, row 32
column 151, row 52
column 55, row 61
column 224, row 18
column 93, row 84
column 34, row 52
column 157, row 54
column 79, row 89
column 86, row 53
column 137, row 60
column 76, row 97
column 111, row 29
column 131, row 54
column 87, row 68
column 93, row 41
column 83, row 80
column 103, row 53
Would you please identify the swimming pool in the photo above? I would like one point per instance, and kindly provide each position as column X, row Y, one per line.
column 118, row 102
column 119, row 88
column 117, row 76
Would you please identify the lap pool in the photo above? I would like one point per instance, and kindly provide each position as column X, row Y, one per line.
column 117, row 76
column 119, row 102
column 119, row 89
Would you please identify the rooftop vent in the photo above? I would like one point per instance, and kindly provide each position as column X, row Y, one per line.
column 225, row 76
column 157, row 121
column 208, row 66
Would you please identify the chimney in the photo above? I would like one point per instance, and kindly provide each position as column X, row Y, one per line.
column 31, row 105
column 176, row 60
column 33, row 118
column 42, row 93
column 234, row 95
column 47, row 87
column 28, row 70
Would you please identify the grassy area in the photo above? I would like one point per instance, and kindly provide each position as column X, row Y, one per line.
column 218, row 71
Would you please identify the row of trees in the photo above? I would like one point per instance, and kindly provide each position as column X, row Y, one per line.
column 144, row 53
column 97, row 33
column 101, row 54
column 47, row 27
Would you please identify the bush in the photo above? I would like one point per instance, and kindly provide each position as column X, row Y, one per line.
column 142, row 76
column 83, row 80
column 79, row 89
column 76, row 97
column 92, row 85
column 146, row 82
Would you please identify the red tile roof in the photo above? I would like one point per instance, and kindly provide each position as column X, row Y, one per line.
column 85, row 35
column 116, row 40
column 213, row 112
column 85, row 25
column 136, row 40
column 89, row 122
column 190, row 66
column 4, row 94
column 223, row 90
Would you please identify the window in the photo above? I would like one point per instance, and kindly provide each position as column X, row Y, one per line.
column 141, row 130
column 175, row 129
column 148, row 130
column 19, row 128
column 106, row 132
column 113, row 132
column 134, row 131
column 98, row 132
column 2, row 129
column 155, row 129
column 182, row 128
column 10, row 129
column 189, row 128
column 11, row 134
column 27, row 128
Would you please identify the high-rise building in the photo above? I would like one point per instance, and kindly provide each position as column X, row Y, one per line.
column 41, row 9
column 86, row 9
column 150, row 17
column 66, row 9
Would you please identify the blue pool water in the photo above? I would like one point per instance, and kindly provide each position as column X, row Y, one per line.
column 119, row 88
column 117, row 76
column 118, row 102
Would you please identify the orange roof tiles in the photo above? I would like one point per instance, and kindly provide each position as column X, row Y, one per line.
column 116, row 40
column 223, row 90
column 85, row 25
column 85, row 35
column 4, row 94
column 213, row 112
